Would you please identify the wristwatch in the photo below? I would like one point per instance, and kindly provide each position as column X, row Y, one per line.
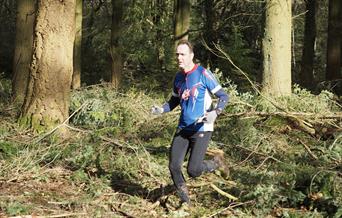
column 218, row 111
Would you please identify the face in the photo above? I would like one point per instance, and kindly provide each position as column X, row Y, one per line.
column 184, row 57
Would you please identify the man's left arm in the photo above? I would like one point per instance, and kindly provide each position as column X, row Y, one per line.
column 222, row 100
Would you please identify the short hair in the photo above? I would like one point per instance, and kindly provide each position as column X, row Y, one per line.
column 186, row 42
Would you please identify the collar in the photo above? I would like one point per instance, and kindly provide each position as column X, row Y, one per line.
column 191, row 71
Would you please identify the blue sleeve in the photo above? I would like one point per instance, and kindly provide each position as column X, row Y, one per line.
column 223, row 98
column 210, row 81
column 174, row 100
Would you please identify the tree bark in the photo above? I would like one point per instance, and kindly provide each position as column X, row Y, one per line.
column 47, row 99
column 76, row 76
column 210, row 30
column 23, row 47
column 181, row 19
column 277, row 48
column 334, row 41
column 306, row 78
column 116, row 49
column 159, row 6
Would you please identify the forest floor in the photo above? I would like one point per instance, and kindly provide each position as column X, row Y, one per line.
column 284, row 161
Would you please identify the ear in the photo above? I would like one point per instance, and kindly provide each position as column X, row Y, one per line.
column 192, row 55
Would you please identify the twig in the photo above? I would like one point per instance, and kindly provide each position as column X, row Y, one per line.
column 117, row 143
column 308, row 150
column 51, row 216
column 116, row 209
column 231, row 197
column 231, row 206
column 262, row 163
column 333, row 144
column 258, row 153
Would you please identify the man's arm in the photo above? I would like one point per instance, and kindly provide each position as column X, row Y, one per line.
column 222, row 102
column 171, row 104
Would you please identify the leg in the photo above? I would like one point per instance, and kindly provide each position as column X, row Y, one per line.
column 199, row 145
column 179, row 148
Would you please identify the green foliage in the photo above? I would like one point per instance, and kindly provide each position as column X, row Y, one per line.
column 15, row 208
column 118, row 153
column 303, row 101
column 103, row 108
column 7, row 149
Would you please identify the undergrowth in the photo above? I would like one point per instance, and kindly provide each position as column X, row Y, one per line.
column 115, row 161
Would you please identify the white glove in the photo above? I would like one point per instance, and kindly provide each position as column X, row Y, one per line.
column 156, row 110
column 209, row 117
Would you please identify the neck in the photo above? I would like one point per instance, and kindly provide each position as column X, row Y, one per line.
column 189, row 68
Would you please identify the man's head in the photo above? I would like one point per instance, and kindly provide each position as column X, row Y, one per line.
column 185, row 55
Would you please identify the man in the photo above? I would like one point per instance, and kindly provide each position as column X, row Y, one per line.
column 191, row 90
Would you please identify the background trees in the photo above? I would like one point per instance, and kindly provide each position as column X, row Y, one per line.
column 135, row 45
column 334, row 40
column 76, row 76
column 307, row 63
column 115, row 162
column 23, row 47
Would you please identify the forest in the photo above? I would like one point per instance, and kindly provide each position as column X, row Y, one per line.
column 78, row 79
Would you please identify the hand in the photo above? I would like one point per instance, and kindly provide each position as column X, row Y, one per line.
column 156, row 110
column 210, row 117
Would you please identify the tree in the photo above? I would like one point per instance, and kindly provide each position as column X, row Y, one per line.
column 115, row 48
column 76, row 76
column 210, row 32
column 334, row 41
column 277, row 48
column 306, row 74
column 47, row 98
column 181, row 19
column 23, row 47
column 159, row 9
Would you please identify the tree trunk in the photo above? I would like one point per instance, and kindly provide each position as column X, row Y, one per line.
column 115, row 45
column 181, row 19
column 23, row 47
column 159, row 6
column 277, row 48
column 76, row 76
column 47, row 99
column 334, row 41
column 306, row 78
column 210, row 30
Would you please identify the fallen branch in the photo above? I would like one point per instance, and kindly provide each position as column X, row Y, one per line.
column 231, row 206
column 51, row 216
column 231, row 197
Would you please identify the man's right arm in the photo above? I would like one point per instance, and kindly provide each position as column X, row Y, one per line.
column 171, row 104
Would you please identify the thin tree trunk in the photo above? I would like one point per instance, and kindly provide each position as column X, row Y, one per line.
column 181, row 19
column 47, row 99
column 76, row 77
column 116, row 49
column 159, row 47
column 277, row 48
column 306, row 78
column 210, row 30
column 334, row 41
column 23, row 47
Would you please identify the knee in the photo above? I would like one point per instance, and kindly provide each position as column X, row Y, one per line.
column 175, row 168
column 194, row 171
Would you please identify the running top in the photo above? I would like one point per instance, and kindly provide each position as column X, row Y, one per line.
column 193, row 90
